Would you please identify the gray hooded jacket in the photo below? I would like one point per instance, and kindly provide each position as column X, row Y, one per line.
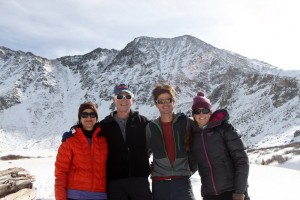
column 183, row 164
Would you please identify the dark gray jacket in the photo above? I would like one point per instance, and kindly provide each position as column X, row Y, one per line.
column 155, row 142
column 220, row 153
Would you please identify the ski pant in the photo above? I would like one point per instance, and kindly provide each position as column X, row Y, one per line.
column 137, row 188
column 223, row 196
column 175, row 189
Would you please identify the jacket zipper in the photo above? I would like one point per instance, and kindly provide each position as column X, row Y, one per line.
column 174, row 149
column 209, row 164
column 128, row 149
column 129, row 162
column 92, row 154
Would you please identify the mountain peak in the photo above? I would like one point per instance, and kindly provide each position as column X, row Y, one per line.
column 42, row 95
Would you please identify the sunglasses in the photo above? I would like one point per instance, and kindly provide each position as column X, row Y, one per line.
column 199, row 111
column 128, row 96
column 164, row 101
column 86, row 114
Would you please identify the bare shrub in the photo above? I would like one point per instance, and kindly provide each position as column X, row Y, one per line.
column 279, row 158
column 295, row 145
column 297, row 133
column 293, row 151
column 13, row 157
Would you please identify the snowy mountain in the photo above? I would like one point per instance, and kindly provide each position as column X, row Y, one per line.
column 39, row 97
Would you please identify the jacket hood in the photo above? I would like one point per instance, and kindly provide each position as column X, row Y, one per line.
column 217, row 118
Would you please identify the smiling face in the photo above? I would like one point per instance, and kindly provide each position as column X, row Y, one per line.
column 165, row 104
column 123, row 105
column 88, row 121
column 201, row 118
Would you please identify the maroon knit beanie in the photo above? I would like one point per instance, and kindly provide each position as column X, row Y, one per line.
column 200, row 101
column 87, row 105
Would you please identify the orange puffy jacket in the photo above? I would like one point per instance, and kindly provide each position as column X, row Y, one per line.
column 79, row 166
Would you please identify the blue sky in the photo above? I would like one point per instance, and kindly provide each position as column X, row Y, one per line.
column 267, row 30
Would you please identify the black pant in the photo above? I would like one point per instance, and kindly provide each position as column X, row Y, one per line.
column 77, row 199
column 223, row 196
column 129, row 189
column 176, row 189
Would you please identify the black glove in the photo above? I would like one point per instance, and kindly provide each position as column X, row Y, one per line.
column 66, row 135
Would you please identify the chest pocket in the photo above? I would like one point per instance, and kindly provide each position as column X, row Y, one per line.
column 136, row 135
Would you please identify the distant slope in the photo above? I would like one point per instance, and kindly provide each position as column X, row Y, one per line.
column 39, row 98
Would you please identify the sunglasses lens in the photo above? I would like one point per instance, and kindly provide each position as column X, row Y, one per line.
column 199, row 111
column 164, row 101
column 128, row 96
column 86, row 115
column 159, row 101
column 205, row 111
column 92, row 115
column 196, row 112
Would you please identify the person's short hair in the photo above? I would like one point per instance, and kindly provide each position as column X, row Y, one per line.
column 161, row 89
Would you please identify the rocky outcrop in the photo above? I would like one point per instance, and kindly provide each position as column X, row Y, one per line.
column 16, row 184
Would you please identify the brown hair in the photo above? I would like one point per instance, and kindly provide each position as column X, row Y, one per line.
column 161, row 89
column 188, row 137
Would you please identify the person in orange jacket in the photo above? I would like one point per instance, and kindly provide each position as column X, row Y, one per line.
column 80, row 166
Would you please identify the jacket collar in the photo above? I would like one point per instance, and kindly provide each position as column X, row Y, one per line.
column 110, row 117
column 176, row 117
column 217, row 118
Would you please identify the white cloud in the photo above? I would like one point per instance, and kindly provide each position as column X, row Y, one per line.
column 266, row 30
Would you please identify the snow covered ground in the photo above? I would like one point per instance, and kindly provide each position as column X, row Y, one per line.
column 266, row 182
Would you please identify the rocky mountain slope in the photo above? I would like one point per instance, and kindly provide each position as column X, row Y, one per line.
column 39, row 97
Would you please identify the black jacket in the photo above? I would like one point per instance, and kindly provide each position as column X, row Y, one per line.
column 220, row 153
column 130, row 158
